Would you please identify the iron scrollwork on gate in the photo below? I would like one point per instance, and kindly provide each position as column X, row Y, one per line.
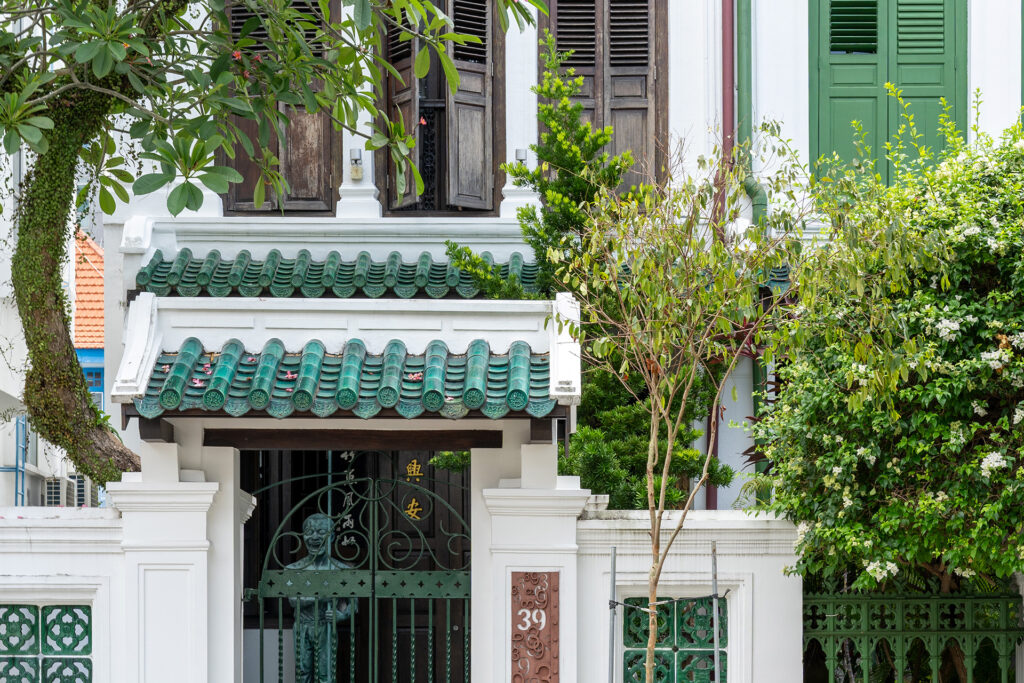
column 372, row 576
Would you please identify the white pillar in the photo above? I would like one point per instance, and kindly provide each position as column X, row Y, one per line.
column 520, row 111
column 358, row 198
column 165, row 553
column 532, row 530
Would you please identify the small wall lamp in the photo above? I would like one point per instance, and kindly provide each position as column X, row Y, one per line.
column 355, row 156
column 521, row 155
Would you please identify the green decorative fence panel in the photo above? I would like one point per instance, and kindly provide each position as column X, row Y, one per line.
column 879, row 637
column 685, row 649
column 49, row 644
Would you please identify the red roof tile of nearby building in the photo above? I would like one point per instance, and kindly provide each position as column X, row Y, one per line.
column 88, row 293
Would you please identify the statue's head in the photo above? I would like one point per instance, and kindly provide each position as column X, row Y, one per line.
column 317, row 531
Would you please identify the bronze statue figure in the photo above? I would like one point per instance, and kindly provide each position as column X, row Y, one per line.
column 316, row 619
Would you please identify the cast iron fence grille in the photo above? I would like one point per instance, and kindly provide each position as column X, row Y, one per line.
column 900, row 638
column 390, row 599
column 685, row 649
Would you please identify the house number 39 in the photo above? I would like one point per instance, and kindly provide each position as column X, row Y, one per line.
column 533, row 618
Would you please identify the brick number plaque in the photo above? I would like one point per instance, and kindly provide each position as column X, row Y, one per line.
column 534, row 627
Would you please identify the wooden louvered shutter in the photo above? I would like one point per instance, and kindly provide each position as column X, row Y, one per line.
column 629, row 85
column 307, row 159
column 574, row 24
column 923, row 63
column 468, row 110
column 403, row 99
column 851, row 73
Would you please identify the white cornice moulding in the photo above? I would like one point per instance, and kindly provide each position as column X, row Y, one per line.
column 142, row 346
column 162, row 497
column 536, row 502
column 378, row 236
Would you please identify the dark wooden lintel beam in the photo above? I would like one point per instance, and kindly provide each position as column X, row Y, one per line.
column 157, row 429
column 353, row 439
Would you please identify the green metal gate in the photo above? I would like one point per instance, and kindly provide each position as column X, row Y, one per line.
column 371, row 577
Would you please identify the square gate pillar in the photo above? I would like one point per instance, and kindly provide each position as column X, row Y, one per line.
column 166, row 607
column 531, row 590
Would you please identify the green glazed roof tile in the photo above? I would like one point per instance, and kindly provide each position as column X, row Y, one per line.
column 322, row 382
column 188, row 274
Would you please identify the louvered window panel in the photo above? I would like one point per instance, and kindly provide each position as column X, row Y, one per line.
column 629, row 33
column 920, row 27
column 398, row 49
column 576, row 25
column 240, row 13
column 470, row 17
column 853, row 26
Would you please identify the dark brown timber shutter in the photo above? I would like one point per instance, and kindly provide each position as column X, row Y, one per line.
column 468, row 110
column 629, row 85
column 307, row 159
column 403, row 98
column 574, row 24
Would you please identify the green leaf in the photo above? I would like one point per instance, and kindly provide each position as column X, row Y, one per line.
column 259, row 193
column 226, row 172
column 103, row 63
column 362, row 14
column 107, row 202
column 86, row 52
column 451, row 74
column 176, row 199
column 151, row 182
column 30, row 134
column 215, row 182
column 193, row 196
column 422, row 64
column 11, row 141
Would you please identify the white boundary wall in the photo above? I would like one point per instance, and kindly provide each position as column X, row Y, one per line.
column 765, row 623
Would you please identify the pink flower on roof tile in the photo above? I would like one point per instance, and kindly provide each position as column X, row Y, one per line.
column 290, row 375
column 206, row 365
column 250, row 359
column 165, row 368
column 288, row 389
column 209, row 372
column 196, row 382
column 414, row 376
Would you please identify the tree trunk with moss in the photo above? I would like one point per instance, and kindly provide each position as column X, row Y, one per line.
column 59, row 405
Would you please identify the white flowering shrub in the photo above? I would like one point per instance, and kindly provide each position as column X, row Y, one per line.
column 896, row 437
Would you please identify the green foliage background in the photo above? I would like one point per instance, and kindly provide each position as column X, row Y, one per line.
column 896, row 439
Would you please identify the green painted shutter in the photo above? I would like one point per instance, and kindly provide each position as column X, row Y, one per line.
column 918, row 45
column 852, row 69
column 922, row 63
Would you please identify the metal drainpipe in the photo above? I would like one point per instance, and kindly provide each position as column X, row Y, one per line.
column 745, row 102
column 753, row 188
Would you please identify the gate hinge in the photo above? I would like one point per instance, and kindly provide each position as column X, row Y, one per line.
column 249, row 594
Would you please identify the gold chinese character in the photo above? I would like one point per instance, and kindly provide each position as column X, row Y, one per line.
column 413, row 470
column 413, row 509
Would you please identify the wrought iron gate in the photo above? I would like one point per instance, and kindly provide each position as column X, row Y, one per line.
column 368, row 578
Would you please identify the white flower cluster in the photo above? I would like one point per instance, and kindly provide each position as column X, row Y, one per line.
column 865, row 452
column 996, row 359
column 1017, row 340
column 992, row 461
column 966, row 573
column 979, row 408
column 957, row 436
column 880, row 571
column 971, row 231
column 947, row 329
column 862, row 374
column 1018, row 414
column 801, row 531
